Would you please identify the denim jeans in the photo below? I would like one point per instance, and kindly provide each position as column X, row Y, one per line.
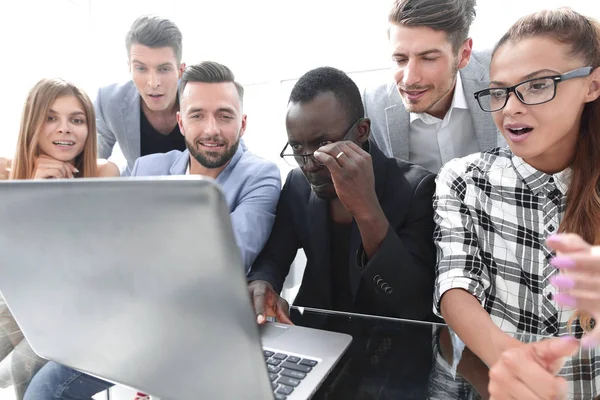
column 57, row 382
column 25, row 364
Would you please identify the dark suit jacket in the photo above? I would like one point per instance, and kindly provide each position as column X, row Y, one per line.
column 404, row 262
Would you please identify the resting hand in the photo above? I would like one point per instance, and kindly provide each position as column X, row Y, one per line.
column 267, row 303
column 50, row 168
column 528, row 372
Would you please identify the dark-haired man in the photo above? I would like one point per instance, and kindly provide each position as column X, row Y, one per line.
column 364, row 220
column 428, row 114
column 141, row 114
column 212, row 123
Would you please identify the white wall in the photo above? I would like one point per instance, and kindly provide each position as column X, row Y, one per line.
column 267, row 43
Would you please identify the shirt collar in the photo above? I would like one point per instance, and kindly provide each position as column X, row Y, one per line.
column 537, row 181
column 458, row 101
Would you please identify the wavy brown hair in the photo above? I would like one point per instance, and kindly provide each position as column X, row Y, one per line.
column 582, row 35
column 37, row 106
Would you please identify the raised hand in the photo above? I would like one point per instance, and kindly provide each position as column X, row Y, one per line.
column 351, row 171
column 579, row 278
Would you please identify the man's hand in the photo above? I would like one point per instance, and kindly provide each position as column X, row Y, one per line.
column 5, row 165
column 351, row 171
column 529, row 371
column 267, row 303
column 50, row 168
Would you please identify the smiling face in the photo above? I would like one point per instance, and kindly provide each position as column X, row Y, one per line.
column 212, row 122
column 65, row 130
column 425, row 67
column 544, row 135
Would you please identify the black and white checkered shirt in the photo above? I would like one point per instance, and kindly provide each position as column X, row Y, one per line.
column 493, row 213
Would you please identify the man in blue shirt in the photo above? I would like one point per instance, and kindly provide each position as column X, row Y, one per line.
column 212, row 122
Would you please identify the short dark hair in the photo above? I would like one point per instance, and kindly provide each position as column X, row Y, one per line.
column 154, row 32
column 328, row 79
column 451, row 16
column 209, row 72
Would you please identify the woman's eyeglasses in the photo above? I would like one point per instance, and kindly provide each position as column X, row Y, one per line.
column 531, row 92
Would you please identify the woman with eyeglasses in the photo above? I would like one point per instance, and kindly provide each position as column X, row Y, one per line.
column 517, row 226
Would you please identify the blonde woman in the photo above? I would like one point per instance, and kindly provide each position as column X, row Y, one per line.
column 57, row 139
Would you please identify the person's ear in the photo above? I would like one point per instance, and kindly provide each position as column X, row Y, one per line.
column 180, row 123
column 364, row 130
column 464, row 54
column 243, row 128
column 181, row 69
column 593, row 86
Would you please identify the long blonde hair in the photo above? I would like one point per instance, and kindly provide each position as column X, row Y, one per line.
column 582, row 34
column 37, row 106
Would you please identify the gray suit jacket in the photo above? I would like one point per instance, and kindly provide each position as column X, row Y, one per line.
column 390, row 122
column 118, row 120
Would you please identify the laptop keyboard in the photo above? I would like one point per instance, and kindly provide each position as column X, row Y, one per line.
column 286, row 372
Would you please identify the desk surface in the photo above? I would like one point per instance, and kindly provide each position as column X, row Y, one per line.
column 400, row 359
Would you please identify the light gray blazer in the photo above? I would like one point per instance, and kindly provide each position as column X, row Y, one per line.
column 118, row 120
column 390, row 122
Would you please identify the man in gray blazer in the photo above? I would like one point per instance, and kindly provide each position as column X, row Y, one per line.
column 428, row 114
column 141, row 114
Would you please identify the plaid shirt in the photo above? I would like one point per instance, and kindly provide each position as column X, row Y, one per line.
column 493, row 213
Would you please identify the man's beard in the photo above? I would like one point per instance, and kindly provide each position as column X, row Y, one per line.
column 212, row 159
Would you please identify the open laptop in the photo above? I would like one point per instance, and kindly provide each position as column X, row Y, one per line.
column 139, row 281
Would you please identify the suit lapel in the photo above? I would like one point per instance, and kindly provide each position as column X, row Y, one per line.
column 474, row 78
column 318, row 221
column 131, row 123
column 398, row 124
column 180, row 165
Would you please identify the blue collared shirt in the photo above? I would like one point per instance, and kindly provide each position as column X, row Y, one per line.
column 251, row 186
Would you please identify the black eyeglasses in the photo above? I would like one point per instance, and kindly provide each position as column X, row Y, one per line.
column 530, row 92
column 299, row 160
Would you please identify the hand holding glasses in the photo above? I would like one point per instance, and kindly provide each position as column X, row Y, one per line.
column 298, row 159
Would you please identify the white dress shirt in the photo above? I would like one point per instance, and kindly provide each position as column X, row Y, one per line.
column 433, row 141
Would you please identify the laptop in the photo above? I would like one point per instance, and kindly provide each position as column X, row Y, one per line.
column 139, row 281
